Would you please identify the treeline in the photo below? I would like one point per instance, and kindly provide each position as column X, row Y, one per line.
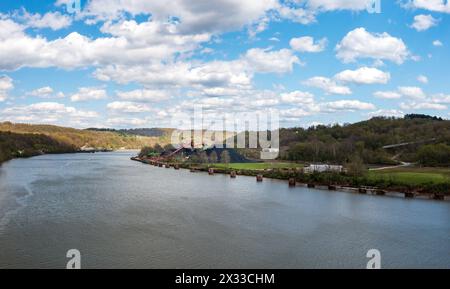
column 151, row 132
column 79, row 138
column 430, row 138
column 14, row 145
column 434, row 155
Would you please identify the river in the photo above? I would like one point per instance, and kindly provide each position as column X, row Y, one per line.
column 124, row 214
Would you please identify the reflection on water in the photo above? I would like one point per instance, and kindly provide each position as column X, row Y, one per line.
column 123, row 214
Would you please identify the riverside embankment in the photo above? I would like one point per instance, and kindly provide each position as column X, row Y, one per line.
column 327, row 181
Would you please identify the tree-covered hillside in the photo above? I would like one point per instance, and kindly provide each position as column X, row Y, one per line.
column 14, row 145
column 79, row 138
column 416, row 138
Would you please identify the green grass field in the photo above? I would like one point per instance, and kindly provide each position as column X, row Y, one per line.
column 414, row 176
column 258, row 166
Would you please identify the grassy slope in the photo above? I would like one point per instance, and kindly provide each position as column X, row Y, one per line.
column 414, row 176
column 80, row 138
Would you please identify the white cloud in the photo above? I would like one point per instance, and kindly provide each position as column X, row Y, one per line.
column 46, row 92
column 130, row 44
column 48, row 112
column 431, row 5
column 298, row 15
column 412, row 92
column 89, row 93
column 297, row 97
column 441, row 98
column 211, row 74
column 307, row 44
column 364, row 75
column 144, row 95
column 6, row 84
column 424, row 22
column 359, row 43
column 195, row 16
column 293, row 114
column 128, row 107
column 327, row 85
column 422, row 79
column 386, row 113
column 223, row 74
column 422, row 106
column 127, row 122
column 266, row 61
column 437, row 43
column 52, row 20
column 346, row 105
column 332, row 5
column 387, row 94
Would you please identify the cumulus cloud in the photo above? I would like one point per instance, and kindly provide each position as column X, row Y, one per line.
column 307, row 44
column 265, row 61
column 364, row 75
column 422, row 79
column 431, row 5
column 418, row 99
column 46, row 92
column 297, row 97
column 437, row 43
column 48, row 112
column 412, row 92
column 347, row 105
column 89, row 93
column 387, row 94
column 386, row 113
column 297, row 14
column 195, row 16
column 235, row 73
column 128, row 107
column 328, row 85
column 52, row 20
column 6, row 84
column 360, row 43
column 332, row 5
column 422, row 106
column 424, row 22
column 441, row 98
column 130, row 43
column 144, row 95
column 124, row 122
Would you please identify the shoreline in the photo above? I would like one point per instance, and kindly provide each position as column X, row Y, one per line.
column 293, row 182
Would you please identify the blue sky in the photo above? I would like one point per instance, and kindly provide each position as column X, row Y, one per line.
column 129, row 63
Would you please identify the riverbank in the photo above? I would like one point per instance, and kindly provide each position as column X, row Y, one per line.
column 328, row 181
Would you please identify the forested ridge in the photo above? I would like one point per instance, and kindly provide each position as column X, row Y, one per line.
column 13, row 145
column 425, row 140
column 22, row 140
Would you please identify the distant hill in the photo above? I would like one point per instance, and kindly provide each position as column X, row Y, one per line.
column 151, row 132
column 381, row 141
column 14, row 145
column 339, row 143
column 80, row 138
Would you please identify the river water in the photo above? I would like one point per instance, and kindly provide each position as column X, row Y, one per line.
column 123, row 214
